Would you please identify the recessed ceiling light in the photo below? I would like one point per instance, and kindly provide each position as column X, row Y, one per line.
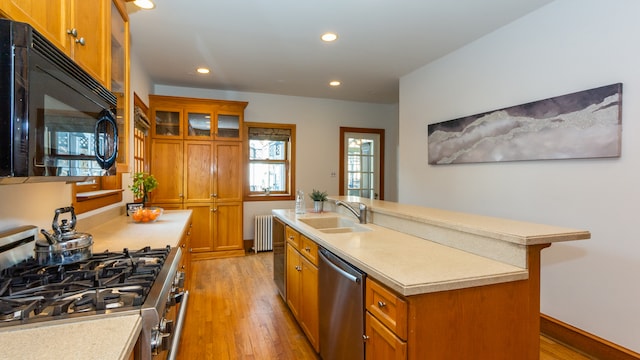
column 202, row 70
column 334, row 83
column 329, row 37
column 144, row 4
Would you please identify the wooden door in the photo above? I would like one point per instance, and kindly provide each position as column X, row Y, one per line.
column 48, row 17
column 167, row 167
column 89, row 47
column 198, row 171
column 228, row 171
column 309, row 320
column 202, row 227
column 293, row 280
column 381, row 343
column 227, row 227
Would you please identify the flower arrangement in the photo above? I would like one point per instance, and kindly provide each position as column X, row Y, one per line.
column 143, row 184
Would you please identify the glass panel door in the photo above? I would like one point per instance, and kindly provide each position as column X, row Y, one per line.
column 362, row 168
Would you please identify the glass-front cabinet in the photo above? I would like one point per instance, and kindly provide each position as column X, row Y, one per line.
column 196, row 119
column 228, row 125
column 167, row 122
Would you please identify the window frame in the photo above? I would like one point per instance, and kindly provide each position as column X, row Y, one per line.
column 289, row 193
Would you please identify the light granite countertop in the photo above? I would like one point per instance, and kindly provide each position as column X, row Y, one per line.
column 396, row 256
column 405, row 263
column 113, row 337
column 100, row 337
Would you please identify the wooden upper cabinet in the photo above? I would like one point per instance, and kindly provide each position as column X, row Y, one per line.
column 119, row 78
column 49, row 17
column 78, row 27
column 89, row 27
column 167, row 158
column 198, row 172
column 195, row 118
column 228, row 171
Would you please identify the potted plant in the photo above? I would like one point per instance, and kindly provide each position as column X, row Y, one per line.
column 143, row 184
column 318, row 198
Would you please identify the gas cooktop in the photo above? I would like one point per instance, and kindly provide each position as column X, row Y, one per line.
column 107, row 282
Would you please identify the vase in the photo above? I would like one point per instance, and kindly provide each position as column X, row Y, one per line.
column 318, row 206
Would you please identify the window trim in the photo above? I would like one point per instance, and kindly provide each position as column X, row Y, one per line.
column 291, row 164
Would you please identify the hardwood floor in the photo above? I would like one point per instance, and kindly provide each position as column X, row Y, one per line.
column 235, row 312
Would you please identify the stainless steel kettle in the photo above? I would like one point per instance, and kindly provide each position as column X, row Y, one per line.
column 64, row 245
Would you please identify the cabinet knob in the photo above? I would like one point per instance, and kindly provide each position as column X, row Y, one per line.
column 291, row 237
column 381, row 304
column 80, row 41
column 365, row 337
column 215, row 195
column 73, row 32
column 308, row 249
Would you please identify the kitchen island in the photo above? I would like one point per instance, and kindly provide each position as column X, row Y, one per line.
column 110, row 337
column 468, row 286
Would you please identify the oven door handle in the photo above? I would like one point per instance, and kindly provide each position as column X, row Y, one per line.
column 175, row 342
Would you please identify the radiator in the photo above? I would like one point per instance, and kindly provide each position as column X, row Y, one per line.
column 262, row 240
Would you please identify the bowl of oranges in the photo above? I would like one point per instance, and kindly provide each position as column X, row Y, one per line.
column 146, row 214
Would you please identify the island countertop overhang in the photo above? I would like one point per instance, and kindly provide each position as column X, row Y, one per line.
column 399, row 253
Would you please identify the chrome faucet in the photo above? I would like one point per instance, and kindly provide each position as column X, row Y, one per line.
column 362, row 216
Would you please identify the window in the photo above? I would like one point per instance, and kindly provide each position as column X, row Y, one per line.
column 270, row 158
column 140, row 143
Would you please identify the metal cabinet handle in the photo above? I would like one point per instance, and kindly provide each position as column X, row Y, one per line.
column 81, row 41
column 73, row 32
column 365, row 337
column 381, row 304
column 307, row 249
column 291, row 237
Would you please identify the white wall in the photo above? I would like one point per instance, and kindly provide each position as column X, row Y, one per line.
column 318, row 124
column 566, row 46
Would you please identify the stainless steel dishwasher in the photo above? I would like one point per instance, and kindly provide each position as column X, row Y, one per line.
column 341, row 308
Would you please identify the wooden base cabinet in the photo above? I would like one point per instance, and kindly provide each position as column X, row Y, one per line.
column 302, row 284
column 219, row 230
column 381, row 343
column 483, row 322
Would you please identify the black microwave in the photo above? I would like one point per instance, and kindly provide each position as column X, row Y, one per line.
column 57, row 123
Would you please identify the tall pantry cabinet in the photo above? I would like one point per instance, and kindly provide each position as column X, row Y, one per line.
column 196, row 156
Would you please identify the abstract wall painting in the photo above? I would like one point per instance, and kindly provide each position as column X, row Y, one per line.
column 585, row 124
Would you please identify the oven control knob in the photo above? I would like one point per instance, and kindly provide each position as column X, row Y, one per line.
column 159, row 341
column 166, row 326
column 179, row 280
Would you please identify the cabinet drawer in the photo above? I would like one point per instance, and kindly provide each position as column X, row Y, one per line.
column 387, row 307
column 309, row 249
column 293, row 237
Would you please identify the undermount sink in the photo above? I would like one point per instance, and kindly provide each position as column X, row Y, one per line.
column 339, row 230
column 334, row 225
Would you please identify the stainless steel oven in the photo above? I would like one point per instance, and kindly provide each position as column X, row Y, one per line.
column 145, row 281
column 57, row 123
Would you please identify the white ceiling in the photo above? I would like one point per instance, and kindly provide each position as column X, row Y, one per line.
column 273, row 46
